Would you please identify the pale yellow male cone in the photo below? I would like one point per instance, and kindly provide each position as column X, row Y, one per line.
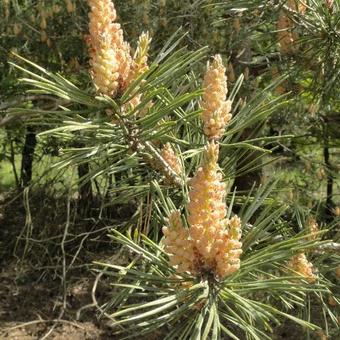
column 171, row 158
column 140, row 58
column 216, row 109
column 312, row 228
column 178, row 244
column 329, row 4
column 215, row 238
column 212, row 242
column 297, row 5
column 138, row 67
column 110, row 58
column 300, row 265
column 287, row 35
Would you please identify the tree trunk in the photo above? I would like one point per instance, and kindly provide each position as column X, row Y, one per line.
column 330, row 180
column 85, row 188
column 27, row 156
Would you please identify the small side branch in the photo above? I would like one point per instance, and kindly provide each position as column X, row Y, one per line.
column 149, row 152
column 331, row 247
column 163, row 164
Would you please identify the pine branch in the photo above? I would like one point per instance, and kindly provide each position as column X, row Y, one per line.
column 9, row 118
column 163, row 165
column 152, row 156
column 331, row 247
column 23, row 99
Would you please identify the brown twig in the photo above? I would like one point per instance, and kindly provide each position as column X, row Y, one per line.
column 331, row 247
column 34, row 322
column 164, row 165
column 9, row 118
column 23, row 99
column 12, row 161
column 94, row 303
column 153, row 156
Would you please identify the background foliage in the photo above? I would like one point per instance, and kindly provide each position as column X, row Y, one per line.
column 285, row 126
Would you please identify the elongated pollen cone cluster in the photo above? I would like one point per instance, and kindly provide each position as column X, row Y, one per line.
column 6, row 8
column 214, row 238
column 171, row 158
column 286, row 35
column 329, row 4
column 231, row 72
column 178, row 244
column 216, row 109
column 228, row 249
column 140, row 59
column 139, row 65
column 312, row 228
column 336, row 211
column 302, row 266
column 110, row 58
column 298, row 5
column 281, row 88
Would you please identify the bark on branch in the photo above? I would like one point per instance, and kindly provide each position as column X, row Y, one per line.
column 9, row 118
column 331, row 247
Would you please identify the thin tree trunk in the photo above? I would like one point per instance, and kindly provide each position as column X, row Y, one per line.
column 330, row 179
column 12, row 160
column 27, row 157
column 85, row 189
